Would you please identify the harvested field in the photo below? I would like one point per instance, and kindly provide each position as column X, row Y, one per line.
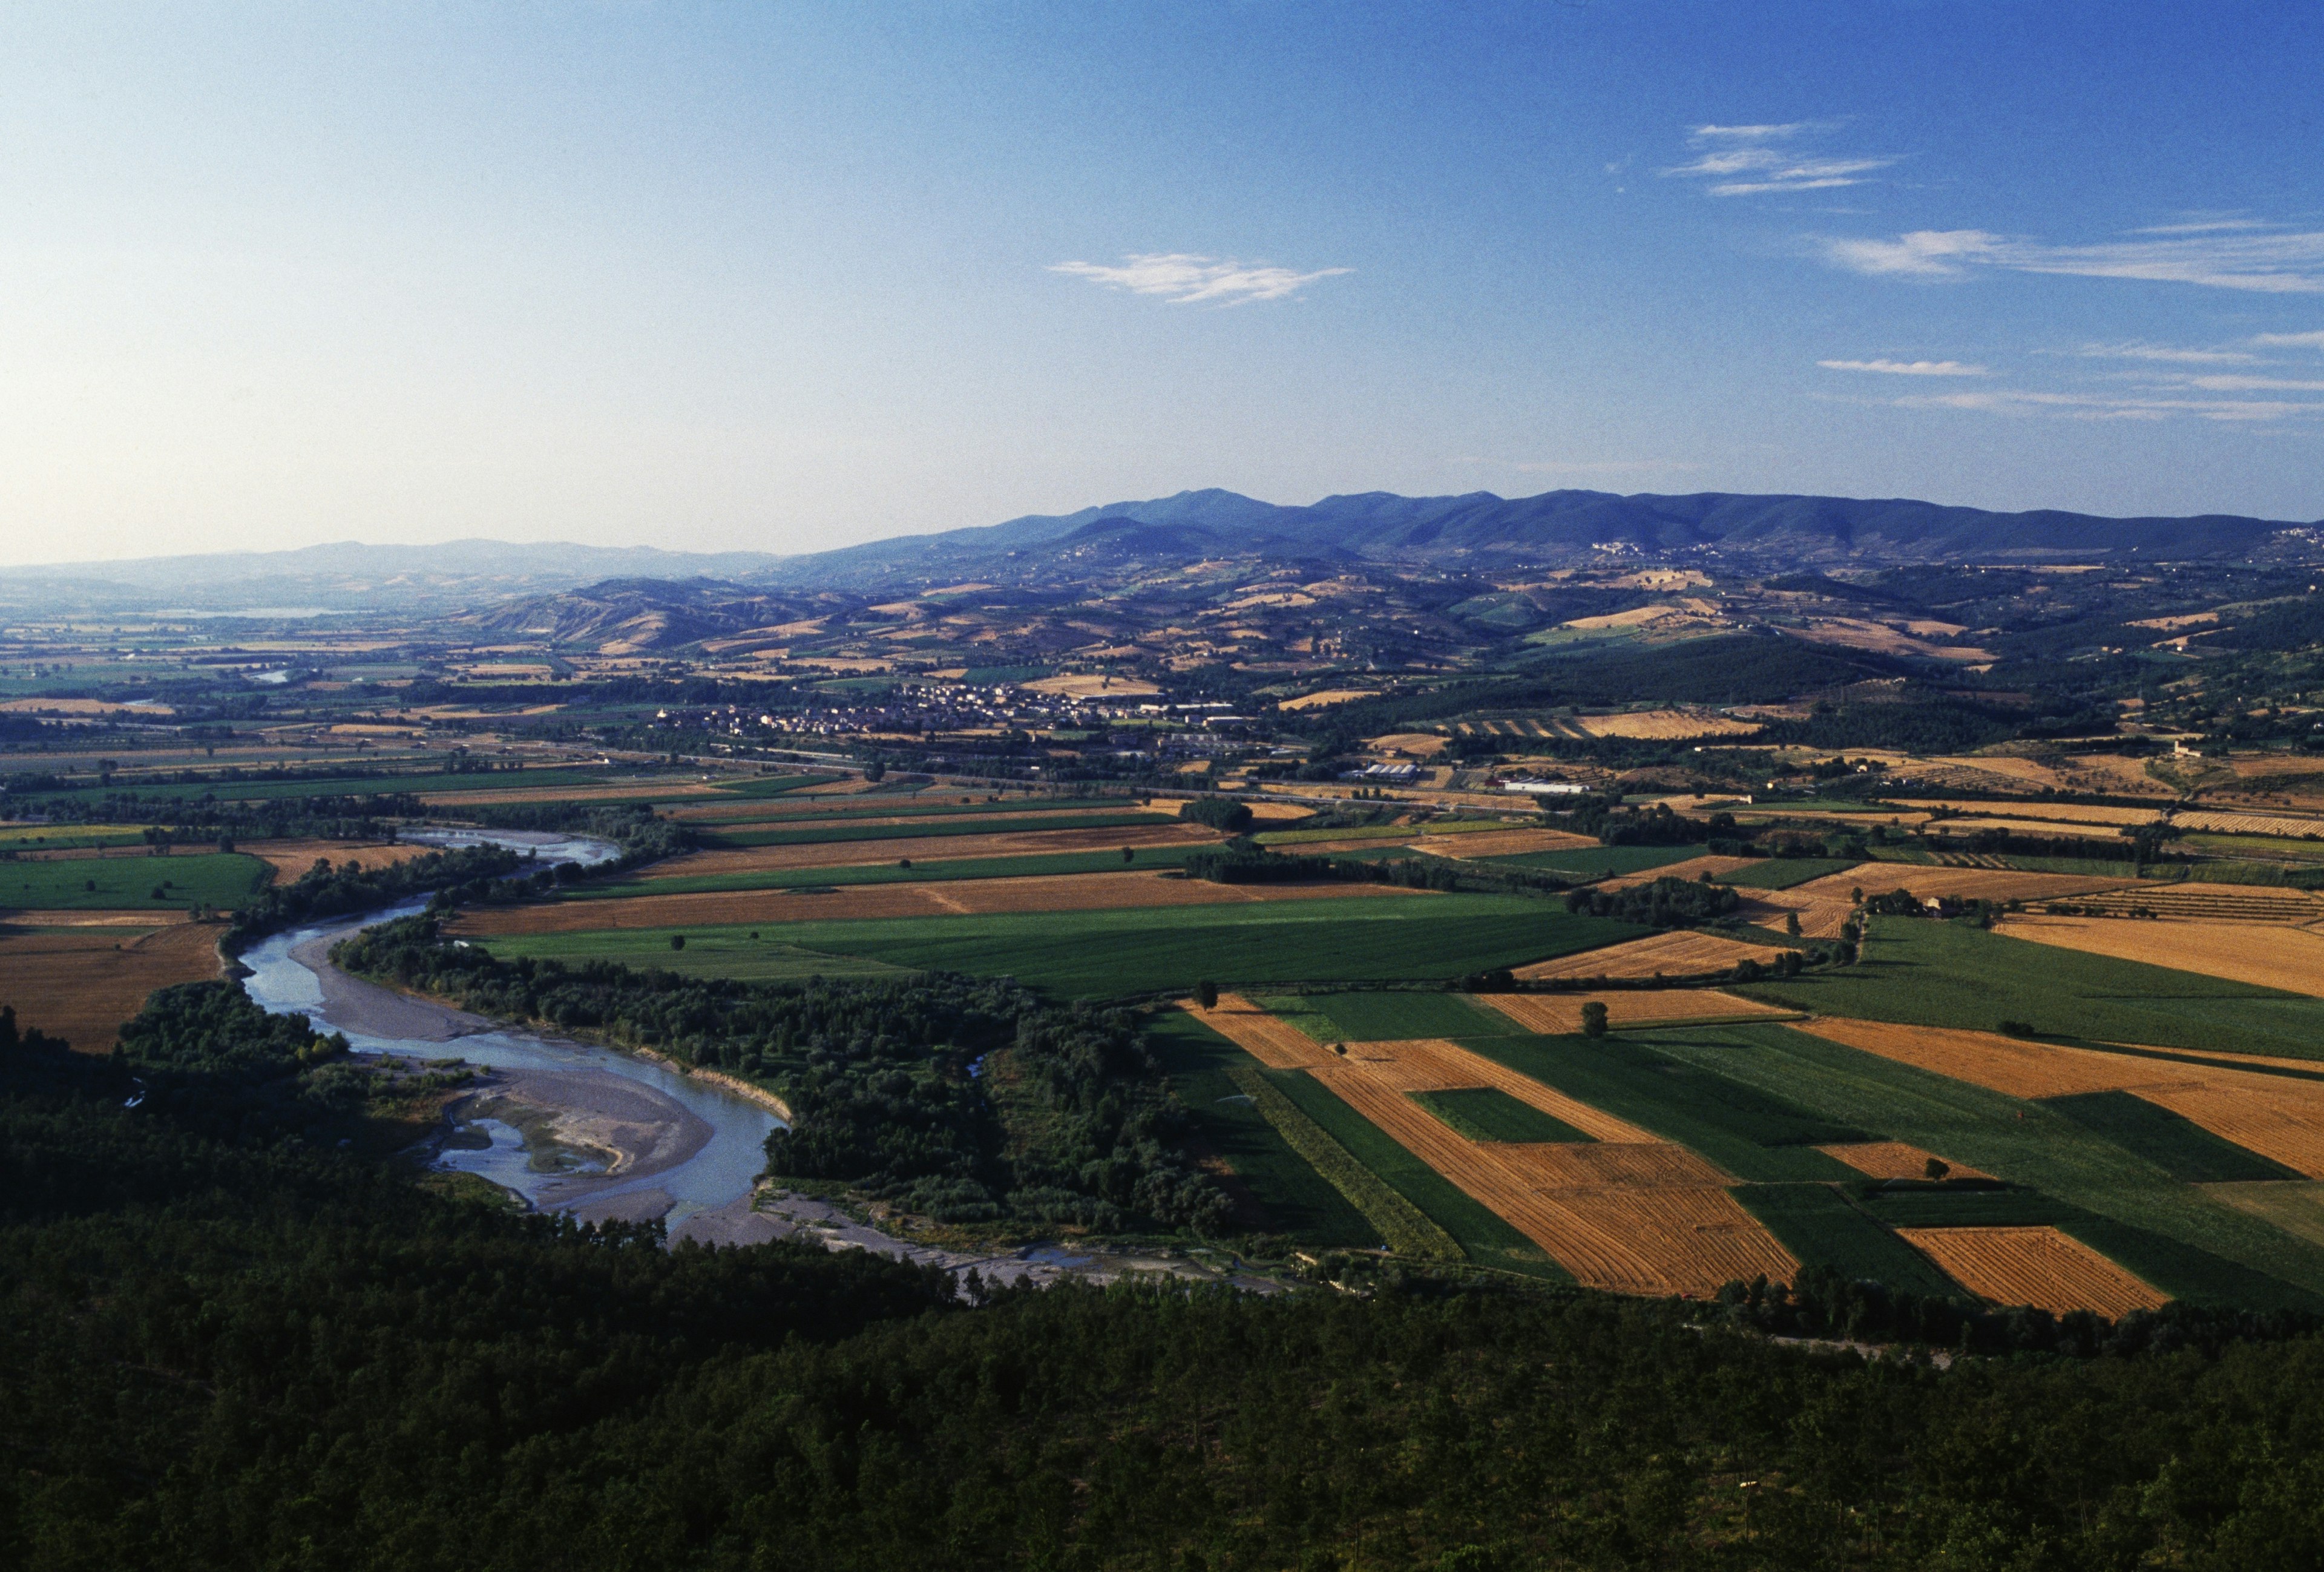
column 931, row 848
column 1504, row 842
column 1690, row 870
column 1418, row 745
column 2035, row 1266
column 81, row 982
column 1626, row 1213
column 2035, row 809
column 1857, row 633
column 2279, row 1118
column 789, row 807
column 2290, row 826
column 1325, row 699
column 2267, row 955
column 1960, row 883
column 1677, row 954
column 1894, row 1159
column 291, row 858
column 1067, row 892
column 2256, row 905
column 1665, row 725
column 2059, row 829
column 1075, row 685
column 1560, row 1014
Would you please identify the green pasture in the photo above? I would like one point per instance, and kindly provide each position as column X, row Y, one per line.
column 430, row 782
column 843, row 810
column 1292, row 1198
column 61, row 838
column 796, row 835
column 2174, row 1234
column 1489, row 1114
column 769, row 785
column 1925, row 973
column 1105, row 954
column 1488, row 1240
column 1782, row 872
column 1380, row 1015
column 1293, row 838
column 222, row 879
column 1818, row 1224
column 2175, row 1143
column 1753, row 1133
column 922, row 870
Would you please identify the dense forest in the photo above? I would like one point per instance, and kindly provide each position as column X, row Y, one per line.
column 229, row 1344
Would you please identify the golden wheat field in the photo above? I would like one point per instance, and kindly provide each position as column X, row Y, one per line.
column 1690, row 870
column 2035, row 809
column 1891, row 1159
column 2034, row 1266
column 1676, row 954
column 81, row 982
column 1560, row 1014
column 2291, row 826
column 2268, row 956
column 1665, row 726
column 936, row 897
column 1956, row 883
column 291, row 858
column 1504, row 842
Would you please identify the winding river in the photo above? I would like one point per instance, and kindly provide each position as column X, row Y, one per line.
column 571, row 1126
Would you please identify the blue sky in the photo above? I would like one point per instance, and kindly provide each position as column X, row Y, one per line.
column 785, row 277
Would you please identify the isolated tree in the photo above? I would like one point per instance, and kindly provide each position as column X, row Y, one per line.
column 1937, row 1168
column 1206, row 995
column 1593, row 1019
column 1129, row 854
column 1792, row 923
column 678, row 941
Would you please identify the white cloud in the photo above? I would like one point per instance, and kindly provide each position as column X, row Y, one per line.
column 2273, row 261
column 2254, row 384
column 2089, row 407
column 1740, row 161
column 1907, row 367
column 2165, row 353
column 2290, row 340
column 1184, row 279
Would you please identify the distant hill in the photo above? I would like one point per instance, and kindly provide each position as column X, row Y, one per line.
column 1482, row 530
column 1475, row 532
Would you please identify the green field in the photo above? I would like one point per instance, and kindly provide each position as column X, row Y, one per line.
column 428, row 782
column 1925, row 973
column 922, row 870
column 2224, row 1255
column 1291, row 1197
column 769, row 785
column 843, row 810
column 1104, row 954
column 1293, row 838
column 1382, row 1016
column 57, row 837
column 1753, row 1133
column 1782, row 872
column 1489, row 1114
column 1490, row 1241
column 85, row 883
column 1597, row 862
column 2172, row 1142
column 1818, row 1225
column 794, row 835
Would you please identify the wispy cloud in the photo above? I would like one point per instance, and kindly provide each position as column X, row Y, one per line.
column 2267, row 260
column 1907, row 367
column 1184, row 279
column 2092, row 407
column 2165, row 354
column 2290, row 340
column 2255, row 385
column 1744, row 161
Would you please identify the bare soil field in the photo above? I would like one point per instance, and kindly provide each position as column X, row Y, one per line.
column 1629, row 1212
column 1690, row 870
column 1677, row 954
column 1560, row 1014
column 81, row 982
column 925, row 848
column 1894, row 1159
column 968, row 897
column 2271, row 955
column 1665, row 725
column 2034, row 1266
column 291, row 858
column 2031, row 772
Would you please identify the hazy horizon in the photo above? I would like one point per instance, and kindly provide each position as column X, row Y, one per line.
column 716, row 280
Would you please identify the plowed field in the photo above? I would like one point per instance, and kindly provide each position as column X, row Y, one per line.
column 1055, row 892
column 1560, row 1014
column 2267, row 955
column 930, row 849
column 2034, row 1266
column 1887, row 1160
column 1671, row 955
column 82, row 982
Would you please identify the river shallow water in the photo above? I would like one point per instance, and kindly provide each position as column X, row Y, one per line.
column 704, row 1147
